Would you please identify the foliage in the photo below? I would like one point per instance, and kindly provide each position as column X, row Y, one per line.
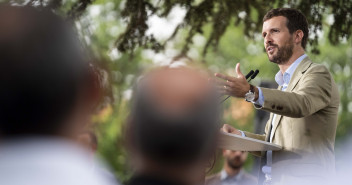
column 223, row 13
column 219, row 13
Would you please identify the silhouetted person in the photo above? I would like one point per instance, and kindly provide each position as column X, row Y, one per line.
column 233, row 172
column 44, row 101
column 173, row 127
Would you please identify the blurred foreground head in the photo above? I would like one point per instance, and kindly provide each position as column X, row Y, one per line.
column 174, row 122
column 42, row 73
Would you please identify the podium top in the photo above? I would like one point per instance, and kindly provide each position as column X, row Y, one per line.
column 235, row 142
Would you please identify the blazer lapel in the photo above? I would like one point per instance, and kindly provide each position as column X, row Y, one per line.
column 269, row 127
column 300, row 70
column 271, row 123
column 276, row 123
column 296, row 76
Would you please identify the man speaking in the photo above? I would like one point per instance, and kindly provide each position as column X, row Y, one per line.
column 303, row 109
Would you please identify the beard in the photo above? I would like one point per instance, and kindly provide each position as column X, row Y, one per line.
column 283, row 54
column 235, row 163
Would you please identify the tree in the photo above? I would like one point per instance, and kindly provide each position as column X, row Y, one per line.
column 219, row 13
column 222, row 13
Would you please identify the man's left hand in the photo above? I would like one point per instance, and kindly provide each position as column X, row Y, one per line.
column 233, row 86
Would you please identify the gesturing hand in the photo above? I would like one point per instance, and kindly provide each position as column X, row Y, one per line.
column 233, row 86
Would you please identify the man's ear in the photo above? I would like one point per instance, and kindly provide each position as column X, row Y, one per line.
column 298, row 36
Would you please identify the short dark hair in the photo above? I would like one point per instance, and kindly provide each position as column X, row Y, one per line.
column 295, row 21
column 42, row 71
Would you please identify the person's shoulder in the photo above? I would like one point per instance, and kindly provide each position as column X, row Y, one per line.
column 317, row 67
column 213, row 179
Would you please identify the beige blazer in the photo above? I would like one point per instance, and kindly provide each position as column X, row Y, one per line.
column 305, row 125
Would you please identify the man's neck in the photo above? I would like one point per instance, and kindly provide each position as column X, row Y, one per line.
column 283, row 67
column 231, row 171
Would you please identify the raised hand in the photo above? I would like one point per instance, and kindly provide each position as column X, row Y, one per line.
column 233, row 86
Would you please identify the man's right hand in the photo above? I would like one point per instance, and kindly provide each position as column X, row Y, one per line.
column 229, row 129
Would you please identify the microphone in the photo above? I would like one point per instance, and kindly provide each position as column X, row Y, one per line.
column 251, row 74
column 254, row 75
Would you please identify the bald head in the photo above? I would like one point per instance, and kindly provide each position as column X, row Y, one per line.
column 175, row 116
column 176, row 90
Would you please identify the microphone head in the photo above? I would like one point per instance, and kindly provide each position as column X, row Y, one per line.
column 249, row 74
column 255, row 74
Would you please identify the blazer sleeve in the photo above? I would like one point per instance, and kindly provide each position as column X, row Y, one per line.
column 313, row 94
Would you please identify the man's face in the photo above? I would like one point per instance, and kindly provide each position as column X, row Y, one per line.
column 235, row 159
column 278, row 41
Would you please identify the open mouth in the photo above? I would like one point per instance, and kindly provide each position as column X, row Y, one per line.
column 270, row 49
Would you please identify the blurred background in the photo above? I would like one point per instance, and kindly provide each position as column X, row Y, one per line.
column 126, row 37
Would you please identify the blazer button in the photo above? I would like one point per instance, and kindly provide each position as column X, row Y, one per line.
column 273, row 106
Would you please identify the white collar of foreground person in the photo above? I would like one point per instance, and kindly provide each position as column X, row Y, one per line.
column 47, row 160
